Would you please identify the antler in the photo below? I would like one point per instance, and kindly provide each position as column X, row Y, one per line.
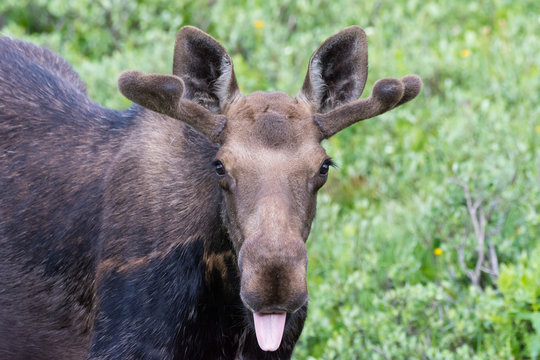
column 336, row 76
column 387, row 94
column 163, row 94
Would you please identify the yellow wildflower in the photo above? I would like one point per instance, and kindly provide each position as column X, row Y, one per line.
column 538, row 129
column 258, row 24
column 465, row 53
column 437, row 251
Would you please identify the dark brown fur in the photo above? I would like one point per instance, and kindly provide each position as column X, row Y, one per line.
column 117, row 238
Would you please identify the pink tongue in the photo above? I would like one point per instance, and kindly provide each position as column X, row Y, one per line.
column 269, row 330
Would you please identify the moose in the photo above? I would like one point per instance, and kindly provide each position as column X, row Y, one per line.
column 174, row 229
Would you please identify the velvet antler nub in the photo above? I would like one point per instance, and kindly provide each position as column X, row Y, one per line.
column 163, row 94
column 387, row 94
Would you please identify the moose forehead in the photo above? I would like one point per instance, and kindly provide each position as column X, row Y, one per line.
column 271, row 120
column 270, row 132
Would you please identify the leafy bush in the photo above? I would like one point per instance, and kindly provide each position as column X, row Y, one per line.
column 520, row 320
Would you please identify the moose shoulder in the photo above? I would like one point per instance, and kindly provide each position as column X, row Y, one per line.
column 174, row 229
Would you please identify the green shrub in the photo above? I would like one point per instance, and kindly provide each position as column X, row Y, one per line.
column 520, row 320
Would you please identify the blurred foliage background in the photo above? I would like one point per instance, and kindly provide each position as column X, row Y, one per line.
column 426, row 241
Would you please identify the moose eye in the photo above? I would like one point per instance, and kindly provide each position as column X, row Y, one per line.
column 326, row 166
column 220, row 169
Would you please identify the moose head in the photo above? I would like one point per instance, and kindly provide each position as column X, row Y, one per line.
column 270, row 163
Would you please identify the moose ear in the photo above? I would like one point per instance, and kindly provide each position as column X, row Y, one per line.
column 337, row 71
column 206, row 69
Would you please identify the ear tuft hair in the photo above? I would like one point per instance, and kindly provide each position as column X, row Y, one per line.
column 337, row 71
column 206, row 69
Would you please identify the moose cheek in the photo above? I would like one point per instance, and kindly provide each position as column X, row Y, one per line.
column 316, row 182
column 227, row 183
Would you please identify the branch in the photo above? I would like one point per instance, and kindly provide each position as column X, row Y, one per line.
column 380, row 352
column 479, row 221
column 469, row 272
column 494, row 261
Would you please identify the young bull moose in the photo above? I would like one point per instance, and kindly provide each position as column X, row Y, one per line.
column 175, row 229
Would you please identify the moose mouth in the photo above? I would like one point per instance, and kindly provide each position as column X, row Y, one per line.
column 269, row 329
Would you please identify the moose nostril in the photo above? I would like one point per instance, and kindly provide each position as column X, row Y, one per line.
column 273, row 279
column 261, row 303
column 273, row 310
column 275, row 289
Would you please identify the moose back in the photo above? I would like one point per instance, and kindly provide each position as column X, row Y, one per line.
column 174, row 229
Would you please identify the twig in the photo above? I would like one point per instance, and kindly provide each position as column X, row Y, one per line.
column 374, row 12
column 493, row 260
column 480, row 219
column 380, row 352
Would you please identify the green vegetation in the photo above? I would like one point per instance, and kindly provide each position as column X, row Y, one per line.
column 397, row 270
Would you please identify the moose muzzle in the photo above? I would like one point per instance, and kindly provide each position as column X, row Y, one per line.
column 273, row 283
